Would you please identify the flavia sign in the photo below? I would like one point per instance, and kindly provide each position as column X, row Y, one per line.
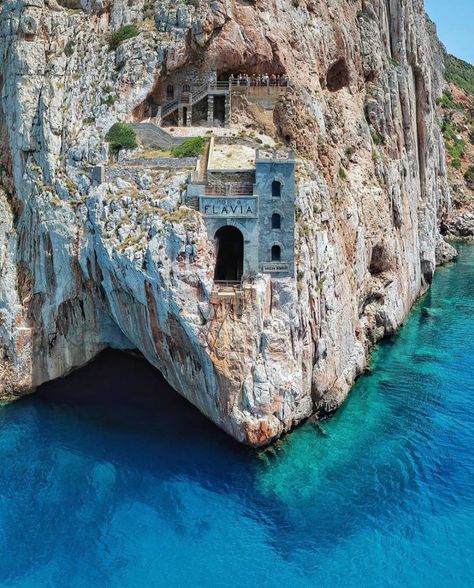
column 229, row 207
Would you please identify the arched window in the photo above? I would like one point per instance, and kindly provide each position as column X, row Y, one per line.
column 276, row 253
column 276, row 221
column 170, row 92
column 276, row 189
column 186, row 88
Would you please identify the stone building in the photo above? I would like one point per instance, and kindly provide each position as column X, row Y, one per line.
column 189, row 96
column 247, row 200
column 193, row 96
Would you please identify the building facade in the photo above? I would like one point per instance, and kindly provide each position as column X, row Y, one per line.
column 253, row 224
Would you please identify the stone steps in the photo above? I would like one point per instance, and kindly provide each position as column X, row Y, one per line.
column 153, row 136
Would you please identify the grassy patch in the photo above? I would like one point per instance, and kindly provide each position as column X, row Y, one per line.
column 190, row 148
column 152, row 154
column 176, row 216
column 122, row 34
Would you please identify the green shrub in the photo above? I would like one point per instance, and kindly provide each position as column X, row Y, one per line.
column 190, row 148
column 121, row 136
column 108, row 100
column 456, row 163
column 349, row 150
column 456, row 150
column 377, row 138
column 447, row 101
column 122, row 34
column 447, row 129
column 342, row 173
column 469, row 177
column 69, row 48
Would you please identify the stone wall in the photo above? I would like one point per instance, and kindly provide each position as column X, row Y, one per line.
column 282, row 171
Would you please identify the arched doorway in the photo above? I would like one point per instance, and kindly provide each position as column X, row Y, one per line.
column 230, row 254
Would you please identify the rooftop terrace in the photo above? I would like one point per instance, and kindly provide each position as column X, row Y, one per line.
column 223, row 157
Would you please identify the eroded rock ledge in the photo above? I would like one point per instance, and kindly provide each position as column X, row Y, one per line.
column 85, row 267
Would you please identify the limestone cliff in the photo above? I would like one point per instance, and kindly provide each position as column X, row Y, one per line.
column 85, row 267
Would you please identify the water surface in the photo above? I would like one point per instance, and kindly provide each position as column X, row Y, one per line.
column 108, row 478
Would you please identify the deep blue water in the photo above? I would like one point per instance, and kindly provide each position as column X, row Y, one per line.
column 108, row 478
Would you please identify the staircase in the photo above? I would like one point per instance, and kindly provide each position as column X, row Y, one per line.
column 152, row 136
column 199, row 93
column 196, row 96
column 169, row 108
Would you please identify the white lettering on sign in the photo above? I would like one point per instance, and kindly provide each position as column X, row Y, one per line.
column 229, row 207
column 275, row 266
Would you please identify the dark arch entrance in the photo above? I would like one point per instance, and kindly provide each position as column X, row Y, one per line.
column 230, row 254
column 276, row 253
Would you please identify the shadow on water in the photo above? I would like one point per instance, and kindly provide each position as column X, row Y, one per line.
column 125, row 395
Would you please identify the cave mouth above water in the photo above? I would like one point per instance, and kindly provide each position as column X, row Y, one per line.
column 124, row 389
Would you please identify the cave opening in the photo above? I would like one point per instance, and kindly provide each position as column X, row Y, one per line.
column 119, row 393
column 229, row 243
column 337, row 76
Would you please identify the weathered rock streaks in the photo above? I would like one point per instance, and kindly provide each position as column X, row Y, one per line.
column 85, row 267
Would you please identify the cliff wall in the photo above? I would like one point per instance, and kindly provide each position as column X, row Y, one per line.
column 85, row 267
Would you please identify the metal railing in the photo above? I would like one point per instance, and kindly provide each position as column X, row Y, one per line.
column 200, row 93
column 169, row 108
column 230, row 190
column 229, row 283
column 203, row 90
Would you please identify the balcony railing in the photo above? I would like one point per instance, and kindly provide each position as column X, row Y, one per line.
column 229, row 190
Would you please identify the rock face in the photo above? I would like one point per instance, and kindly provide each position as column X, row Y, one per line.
column 456, row 111
column 84, row 267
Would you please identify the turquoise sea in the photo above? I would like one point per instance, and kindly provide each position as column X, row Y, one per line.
column 109, row 479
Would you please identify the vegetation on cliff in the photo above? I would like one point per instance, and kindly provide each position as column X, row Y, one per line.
column 457, row 125
column 121, row 136
column 122, row 34
column 190, row 148
column 460, row 72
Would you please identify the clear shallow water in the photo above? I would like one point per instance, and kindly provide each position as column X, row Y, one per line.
column 109, row 479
